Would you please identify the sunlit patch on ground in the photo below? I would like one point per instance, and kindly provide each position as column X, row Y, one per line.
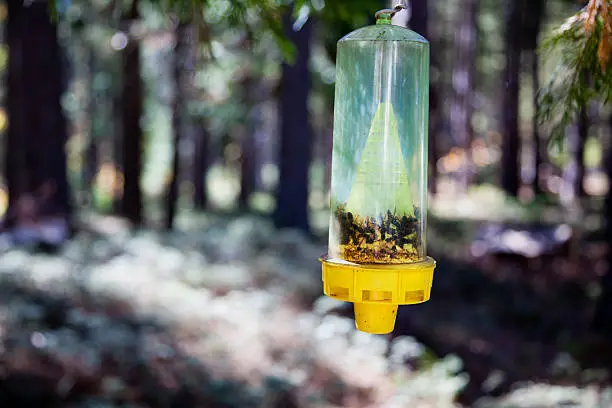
column 230, row 305
column 238, row 305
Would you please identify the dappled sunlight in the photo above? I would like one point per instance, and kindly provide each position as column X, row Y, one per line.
column 596, row 184
column 223, row 183
column 231, row 313
column 262, row 202
column 452, row 161
column 3, row 120
column 485, row 202
column 3, row 201
column 170, row 167
column 481, row 154
column 109, row 180
column 269, row 175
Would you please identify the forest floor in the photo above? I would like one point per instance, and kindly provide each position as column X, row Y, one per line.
column 229, row 313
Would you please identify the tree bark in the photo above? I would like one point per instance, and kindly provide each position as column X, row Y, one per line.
column 37, row 134
column 532, row 22
column 248, row 157
column 90, row 167
column 14, row 153
column 511, row 137
column 583, row 134
column 200, row 167
column 573, row 173
column 132, row 105
column 603, row 311
column 117, row 142
column 90, row 162
column 419, row 22
column 537, row 139
column 419, row 17
column 295, row 134
column 328, row 140
column 463, row 76
column 178, row 108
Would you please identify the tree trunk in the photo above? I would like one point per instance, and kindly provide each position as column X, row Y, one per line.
column 419, row 16
column 463, row 75
column 603, row 310
column 532, row 18
column 178, row 108
column 247, row 169
column 573, row 174
column 117, row 142
column 419, row 22
column 14, row 154
column 248, row 157
column 200, row 167
column 328, row 140
column 537, row 140
column 583, row 134
column 295, row 135
column 90, row 163
column 90, row 167
column 510, row 146
column 37, row 134
column 132, row 105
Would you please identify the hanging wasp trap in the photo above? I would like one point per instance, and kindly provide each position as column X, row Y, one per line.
column 377, row 247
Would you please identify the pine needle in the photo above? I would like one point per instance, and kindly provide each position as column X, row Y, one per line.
column 582, row 46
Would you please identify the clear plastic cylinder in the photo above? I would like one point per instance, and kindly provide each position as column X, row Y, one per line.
column 379, row 161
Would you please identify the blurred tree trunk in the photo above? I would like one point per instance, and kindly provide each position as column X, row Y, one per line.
column 132, row 105
column 200, row 137
column 419, row 22
column 533, row 17
column 248, row 157
column 200, row 167
column 463, row 77
column 435, row 129
column 510, row 107
column 419, row 17
column 328, row 139
column 37, row 133
column 583, row 135
column 295, row 135
column 538, row 152
column 117, row 142
column 90, row 159
column 178, row 109
column 14, row 150
column 573, row 173
column 90, row 167
column 603, row 310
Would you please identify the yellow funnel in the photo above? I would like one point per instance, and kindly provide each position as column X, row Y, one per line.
column 377, row 290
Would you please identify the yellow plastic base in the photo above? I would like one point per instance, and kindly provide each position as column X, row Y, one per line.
column 377, row 290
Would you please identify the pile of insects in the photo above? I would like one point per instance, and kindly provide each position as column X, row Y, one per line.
column 391, row 238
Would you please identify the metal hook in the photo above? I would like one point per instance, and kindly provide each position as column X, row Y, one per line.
column 392, row 11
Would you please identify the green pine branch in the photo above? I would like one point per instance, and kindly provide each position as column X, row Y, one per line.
column 582, row 72
column 269, row 13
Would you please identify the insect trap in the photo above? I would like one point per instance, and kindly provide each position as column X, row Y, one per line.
column 377, row 244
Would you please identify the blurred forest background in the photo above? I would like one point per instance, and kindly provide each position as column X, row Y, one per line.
column 165, row 191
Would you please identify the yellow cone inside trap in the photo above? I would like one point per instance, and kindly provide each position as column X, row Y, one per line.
column 382, row 159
